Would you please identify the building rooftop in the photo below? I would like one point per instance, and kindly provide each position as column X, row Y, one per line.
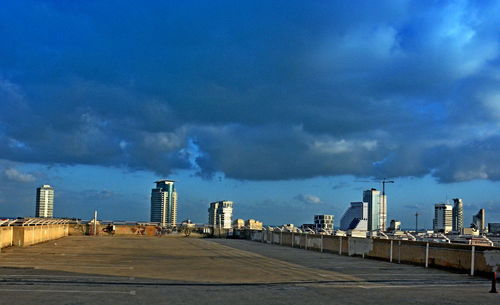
column 164, row 180
column 125, row 279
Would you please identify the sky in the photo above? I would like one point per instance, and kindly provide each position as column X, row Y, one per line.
column 283, row 107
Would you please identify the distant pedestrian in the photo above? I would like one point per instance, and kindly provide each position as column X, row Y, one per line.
column 108, row 229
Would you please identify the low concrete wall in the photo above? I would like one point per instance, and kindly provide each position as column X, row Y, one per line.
column 88, row 229
column 6, row 237
column 30, row 235
column 135, row 230
column 77, row 229
column 463, row 258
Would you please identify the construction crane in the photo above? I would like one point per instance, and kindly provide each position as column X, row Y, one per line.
column 384, row 181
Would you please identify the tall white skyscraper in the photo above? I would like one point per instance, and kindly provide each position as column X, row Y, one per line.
column 164, row 203
column 383, row 212
column 443, row 217
column 458, row 215
column 372, row 197
column 220, row 214
column 45, row 201
column 356, row 217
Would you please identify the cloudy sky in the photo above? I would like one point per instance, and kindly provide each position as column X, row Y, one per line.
column 280, row 106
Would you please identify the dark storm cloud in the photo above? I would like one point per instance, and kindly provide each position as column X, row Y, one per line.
column 276, row 152
column 265, row 91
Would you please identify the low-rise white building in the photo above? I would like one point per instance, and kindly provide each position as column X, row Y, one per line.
column 395, row 225
column 253, row 224
column 323, row 222
column 356, row 217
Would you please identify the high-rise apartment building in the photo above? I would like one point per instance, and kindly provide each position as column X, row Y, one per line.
column 372, row 197
column 443, row 217
column 44, row 201
column 323, row 222
column 356, row 217
column 479, row 221
column 383, row 212
column 220, row 214
column 458, row 215
column 164, row 203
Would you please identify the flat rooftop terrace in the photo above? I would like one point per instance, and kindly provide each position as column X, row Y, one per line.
column 153, row 270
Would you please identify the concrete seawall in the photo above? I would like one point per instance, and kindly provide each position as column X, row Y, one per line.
column 30, row 235
column 462, row 258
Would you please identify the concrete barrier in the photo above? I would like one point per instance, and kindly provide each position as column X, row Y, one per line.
column 148, row 230
column 458, row 257
column 120, row 229
column 6, row 237
column 30, row 235
column 77, row 229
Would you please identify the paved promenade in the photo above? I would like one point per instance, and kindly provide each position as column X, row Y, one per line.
column 152, row 270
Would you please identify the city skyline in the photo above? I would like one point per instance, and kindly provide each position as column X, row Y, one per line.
column 156, row 217
column 280, row 108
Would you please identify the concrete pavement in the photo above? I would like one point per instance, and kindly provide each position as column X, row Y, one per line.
column 146, row 270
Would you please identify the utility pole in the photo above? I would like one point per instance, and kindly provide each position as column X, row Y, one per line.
column 416, row 223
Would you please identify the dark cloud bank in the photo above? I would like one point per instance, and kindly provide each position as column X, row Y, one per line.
column 256, row 90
